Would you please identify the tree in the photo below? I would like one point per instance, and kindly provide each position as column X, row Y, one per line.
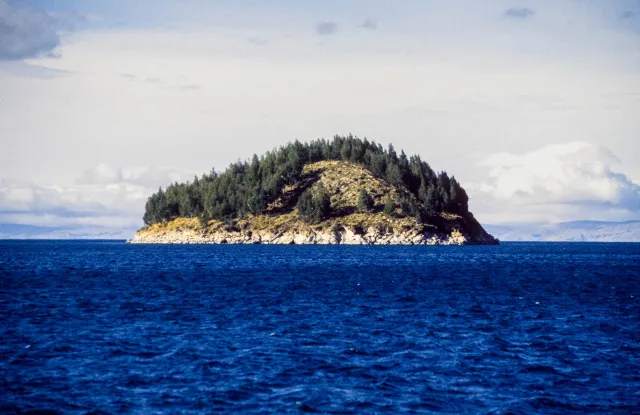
column 357, row 151
column 345, row 152
column 365, row 201
column 389, row 206
column 249, row 187
column 421, row 215
column 378, row 165
column 432, row 201
column 257, row 202
column 314, row 205
column 323, row 203
column 203, row 220
column 423, row 192
column 391, row 153
column 394, row 175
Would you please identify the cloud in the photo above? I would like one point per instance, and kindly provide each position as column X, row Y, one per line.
column 23, row 69
column 150, row 177
column 370, row 24
column 574, row 174
column 628, row 14
column 546, row 81
column 25, row 32
column 101, row 174
column 519, row 12
column 326, row 28
column 258, row 41
column 73, row 20
column 174, row 82
column 189, row 87
column 103, row 197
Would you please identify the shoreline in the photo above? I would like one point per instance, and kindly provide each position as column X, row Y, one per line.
column 345, row 236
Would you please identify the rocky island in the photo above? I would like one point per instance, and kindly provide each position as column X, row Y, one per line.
column 340, row 191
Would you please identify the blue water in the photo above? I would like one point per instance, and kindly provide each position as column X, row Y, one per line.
column 517, row 328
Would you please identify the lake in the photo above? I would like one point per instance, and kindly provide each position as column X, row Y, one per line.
column 520, row 328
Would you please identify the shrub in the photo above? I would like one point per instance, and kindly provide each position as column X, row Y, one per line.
column 203, row 220
column 389, row 206
column 314, row 206
column 365, row 201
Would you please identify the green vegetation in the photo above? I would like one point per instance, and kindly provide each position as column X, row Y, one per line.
column 252, row 187
column 314, row 206
column 389, row 206
column 365, row 201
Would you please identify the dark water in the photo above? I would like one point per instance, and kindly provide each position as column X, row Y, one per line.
column 516, row 328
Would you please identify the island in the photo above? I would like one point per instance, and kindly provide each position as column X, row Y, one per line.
column 345, row 190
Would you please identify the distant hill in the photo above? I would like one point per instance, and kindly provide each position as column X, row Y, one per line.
column 344, row 190
column 18, row 231
column 575, row 231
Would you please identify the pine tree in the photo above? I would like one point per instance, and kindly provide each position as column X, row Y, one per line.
column 345, row 152
column 248, row 187
column 203, row 220
column 305, row 205
column 378, row 165
column 391, row 153
column 431, row 203
column 323, row 203
column 365, row 201
column 394, row 175
column 389, row 206
column 314, row 206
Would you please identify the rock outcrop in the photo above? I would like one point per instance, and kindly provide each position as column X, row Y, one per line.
column 342, row 235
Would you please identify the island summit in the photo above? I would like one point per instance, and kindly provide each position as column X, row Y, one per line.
column 341, row 191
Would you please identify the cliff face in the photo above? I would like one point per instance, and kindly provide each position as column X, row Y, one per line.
column 343, row 181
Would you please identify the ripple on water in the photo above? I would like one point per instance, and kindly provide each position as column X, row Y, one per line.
column 103, row 327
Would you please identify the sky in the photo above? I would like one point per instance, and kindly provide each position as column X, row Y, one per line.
column 533, row 106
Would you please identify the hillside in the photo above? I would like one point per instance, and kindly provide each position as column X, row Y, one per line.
column 574, row 231
column 357, row 193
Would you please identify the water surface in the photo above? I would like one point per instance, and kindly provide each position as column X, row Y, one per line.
column 516, row 328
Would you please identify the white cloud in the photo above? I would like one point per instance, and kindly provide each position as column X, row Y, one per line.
column 556, row 179
column 103, row 196
column 442, row 80
column 102, row 174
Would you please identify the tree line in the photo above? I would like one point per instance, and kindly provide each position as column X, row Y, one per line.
column 247, row 187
